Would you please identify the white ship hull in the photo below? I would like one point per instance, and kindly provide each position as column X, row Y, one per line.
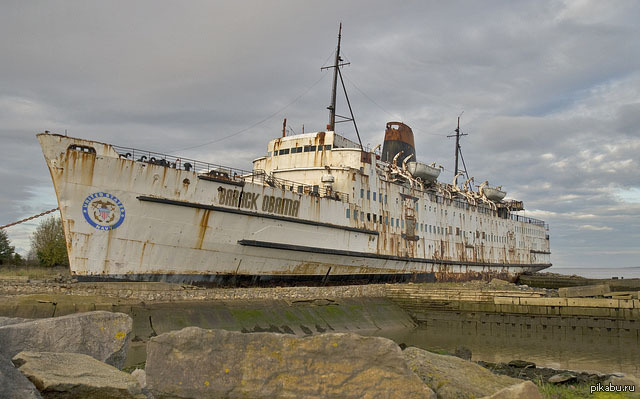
column 134, row 220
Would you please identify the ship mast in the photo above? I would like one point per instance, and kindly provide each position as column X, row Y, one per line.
column 458, row 149
column 332, row 107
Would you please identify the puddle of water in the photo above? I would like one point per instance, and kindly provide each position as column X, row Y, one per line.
column 571, row 352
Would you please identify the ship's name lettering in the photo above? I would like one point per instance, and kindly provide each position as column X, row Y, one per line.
column 281, row 206
column 233, row 198
column 270, row 204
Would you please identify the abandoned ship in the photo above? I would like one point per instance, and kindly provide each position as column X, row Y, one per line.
column 317, row 207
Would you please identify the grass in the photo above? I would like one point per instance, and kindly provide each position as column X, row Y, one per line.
column 578, row 391
column 131, row 368
column 33, row 272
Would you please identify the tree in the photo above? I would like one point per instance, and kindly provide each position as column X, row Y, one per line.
column 6, row 250
column 48, row 243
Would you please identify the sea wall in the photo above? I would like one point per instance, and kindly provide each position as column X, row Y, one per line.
column 506, row 311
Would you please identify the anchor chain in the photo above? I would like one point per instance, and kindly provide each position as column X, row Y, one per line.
column 29, row 218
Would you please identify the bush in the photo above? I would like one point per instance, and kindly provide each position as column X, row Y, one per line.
column 48, row 243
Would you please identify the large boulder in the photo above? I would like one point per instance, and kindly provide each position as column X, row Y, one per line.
column 75, row 375
column 454, row 378
column 197, row 363
column 13, row 384
column 102, row 335
column 6, row 321
column 524, row 390
column 616, row 382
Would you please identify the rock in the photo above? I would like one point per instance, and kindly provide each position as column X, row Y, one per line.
column 524, row 390
column 584, row 291
column 627, row 379
column 561, row 378
column 197, row 363
column 463, row 353
column 140, row 376
column 521, row 364
column 75, row 375
column 13, row 384
column 7, row 321
column 451, row 377
column 102, row 335
column 496, row 282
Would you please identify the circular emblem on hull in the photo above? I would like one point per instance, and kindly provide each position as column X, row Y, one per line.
column 103, row 211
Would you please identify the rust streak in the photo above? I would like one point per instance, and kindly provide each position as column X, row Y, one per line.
column 204, row 222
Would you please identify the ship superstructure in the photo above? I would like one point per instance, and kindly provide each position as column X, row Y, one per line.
column 317, row 207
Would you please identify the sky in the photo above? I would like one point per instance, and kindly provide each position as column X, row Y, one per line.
column 549, row 93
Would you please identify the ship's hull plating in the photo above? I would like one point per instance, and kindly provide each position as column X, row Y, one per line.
column 132, row 220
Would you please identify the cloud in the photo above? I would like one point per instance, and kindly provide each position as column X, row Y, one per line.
column 550, row 92
column 595, row 228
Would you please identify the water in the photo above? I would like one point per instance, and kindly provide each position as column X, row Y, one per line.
column 599, row 272
column 559, row 351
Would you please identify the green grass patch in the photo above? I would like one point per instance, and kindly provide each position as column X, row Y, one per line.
column 578, row 391
column 33, row 272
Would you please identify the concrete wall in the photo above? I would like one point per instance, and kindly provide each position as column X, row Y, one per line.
column 513, row 312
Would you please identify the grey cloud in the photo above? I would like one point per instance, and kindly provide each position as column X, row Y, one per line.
column 549, row 92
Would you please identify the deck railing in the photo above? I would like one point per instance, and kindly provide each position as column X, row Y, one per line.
column 228, row 173
column 526, row 219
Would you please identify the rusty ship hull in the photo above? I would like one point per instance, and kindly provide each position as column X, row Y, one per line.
column 316, row 208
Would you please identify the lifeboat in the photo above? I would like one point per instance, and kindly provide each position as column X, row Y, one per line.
column 426, row 173
column 494, row 194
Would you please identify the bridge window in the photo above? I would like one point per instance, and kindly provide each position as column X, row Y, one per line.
column 284, row 152
column 327, row 147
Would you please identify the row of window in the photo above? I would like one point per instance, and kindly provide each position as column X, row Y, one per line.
column 533, row 232
column 444, row 212
column 375, row 195
column 425, row 228
column 295, row 150
column 437, row 199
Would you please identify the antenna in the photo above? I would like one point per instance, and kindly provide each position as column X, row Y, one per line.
column 458, row 149
column 332, row 107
